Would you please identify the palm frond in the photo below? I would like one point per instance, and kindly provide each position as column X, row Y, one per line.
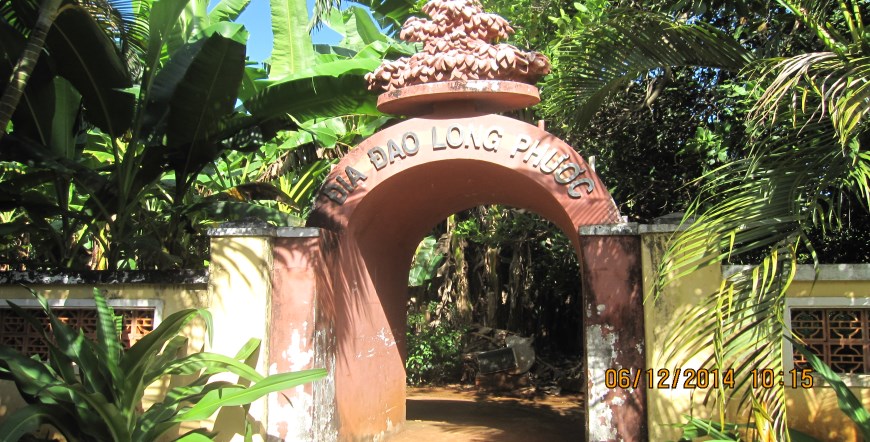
column 813, row 87
column 766, row 202
column 120, row 21
column 814, row 15
column 740, row 329
column 594, row 64
column 321, row 11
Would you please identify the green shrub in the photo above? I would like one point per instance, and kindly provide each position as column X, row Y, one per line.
column 92, row 390
column 434, row 350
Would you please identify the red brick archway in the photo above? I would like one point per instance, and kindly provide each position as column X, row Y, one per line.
column 385, row 195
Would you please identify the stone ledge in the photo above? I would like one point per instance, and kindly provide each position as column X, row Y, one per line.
column 827, row 272
column 620, row 229
column 265, row 231
column 220, row 232
column 661, row 228
column 98, row 277
column 298, row 232
column 629, row 229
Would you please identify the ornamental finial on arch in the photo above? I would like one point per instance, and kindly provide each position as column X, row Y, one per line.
column 459, row 43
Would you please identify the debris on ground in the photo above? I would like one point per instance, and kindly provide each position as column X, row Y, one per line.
column 499, row 360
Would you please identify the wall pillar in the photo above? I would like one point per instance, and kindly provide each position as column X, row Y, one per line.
column 239, row 289
column 270, row 283
column 303, row 334
column 610, row 265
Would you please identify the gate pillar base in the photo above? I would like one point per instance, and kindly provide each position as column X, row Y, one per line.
column 610, row 265
column 282, row 273
column 303, row 334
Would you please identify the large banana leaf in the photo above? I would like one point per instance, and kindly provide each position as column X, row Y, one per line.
column 195, row 72
column 203, row 97
column 315, row 97
column 85, row 55
column 227, row 10
column 391, row 14
column 360, row 29
column 291, row 44
column 190, row 97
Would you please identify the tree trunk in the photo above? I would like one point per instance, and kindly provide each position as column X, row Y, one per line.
column 459, row 276
column 493, row 289
column 27, row 62
column 516, row 287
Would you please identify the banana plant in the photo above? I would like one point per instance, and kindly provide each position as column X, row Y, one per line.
column 336, row 114
column 126, row 183
column 94, row 389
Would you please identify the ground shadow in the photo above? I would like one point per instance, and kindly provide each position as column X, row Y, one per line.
column 496, row 419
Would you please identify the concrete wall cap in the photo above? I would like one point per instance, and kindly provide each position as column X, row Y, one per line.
column 99, row 277
column 827, row 272
column 298, row 232
column 218, row 232
column 265, row 231
column 661, row 228
column 609, row 229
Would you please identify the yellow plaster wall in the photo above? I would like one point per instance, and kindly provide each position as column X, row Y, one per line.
column 240, row 287
column 667, row 405
column 174, row 298
column 237, row 296
column 813, row 411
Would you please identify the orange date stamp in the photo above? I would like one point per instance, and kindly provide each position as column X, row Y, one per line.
column 692, row 378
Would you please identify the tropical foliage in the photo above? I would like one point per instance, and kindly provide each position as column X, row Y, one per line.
column 110, row 162
column 434, row 350
column 796, row 76
column 701, row 429
column 491, row 267
column 120, row 156
column 805, row 160
column 94, row 390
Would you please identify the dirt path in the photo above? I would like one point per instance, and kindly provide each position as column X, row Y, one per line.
column 462, row 415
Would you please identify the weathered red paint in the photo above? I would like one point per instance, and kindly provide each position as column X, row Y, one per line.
column 301, row 334
column 614, row 335
column 380, row 224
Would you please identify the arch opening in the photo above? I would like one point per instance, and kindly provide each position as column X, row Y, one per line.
column 498, row 268
column 524, row 317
